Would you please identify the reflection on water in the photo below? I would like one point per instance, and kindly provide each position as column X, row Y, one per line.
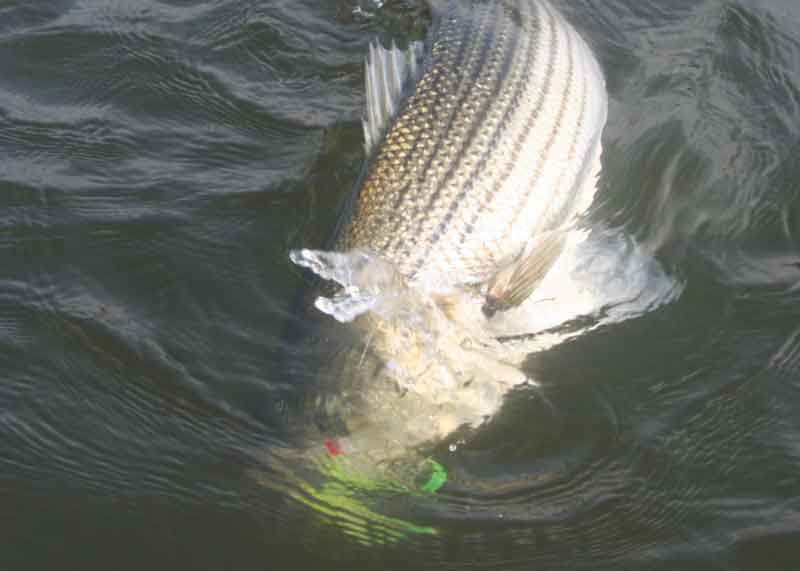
column 158, row 161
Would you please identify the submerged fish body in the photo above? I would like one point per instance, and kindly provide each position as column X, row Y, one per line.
column 489, row 140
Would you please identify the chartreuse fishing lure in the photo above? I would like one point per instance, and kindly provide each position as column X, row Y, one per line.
column 340, row 497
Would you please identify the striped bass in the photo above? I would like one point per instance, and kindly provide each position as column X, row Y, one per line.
column 483, row 150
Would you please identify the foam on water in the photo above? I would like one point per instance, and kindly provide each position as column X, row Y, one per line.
column 363, row 278
column 601, row 273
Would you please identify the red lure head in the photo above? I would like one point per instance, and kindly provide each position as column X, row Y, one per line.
column 332, row 447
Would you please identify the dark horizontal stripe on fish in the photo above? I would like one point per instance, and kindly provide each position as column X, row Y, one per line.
column 571, row 80
column 585, row 160
column 519, row 142
column 533, row 117
column 482, row 50
column 585, row 169
column 385, row 174
column 578, row 180
column 413, row 152
column 476, row 124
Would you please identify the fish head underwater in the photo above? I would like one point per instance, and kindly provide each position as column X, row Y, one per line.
column 423, row 366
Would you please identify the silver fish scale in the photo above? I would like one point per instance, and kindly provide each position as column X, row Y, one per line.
column 500, row 141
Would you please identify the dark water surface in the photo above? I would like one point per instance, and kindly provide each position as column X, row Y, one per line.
column 159, row 159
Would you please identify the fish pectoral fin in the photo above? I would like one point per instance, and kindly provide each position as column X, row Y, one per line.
column 389, row 75
column 516, row 282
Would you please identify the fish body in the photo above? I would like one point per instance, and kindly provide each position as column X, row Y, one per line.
column 483, row 148
column 493, row 141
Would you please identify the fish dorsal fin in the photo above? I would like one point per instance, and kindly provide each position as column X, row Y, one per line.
column 389, row 74
column 514, row 283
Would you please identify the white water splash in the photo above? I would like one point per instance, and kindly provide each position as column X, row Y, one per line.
column 602, row 275
column 368, row 282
